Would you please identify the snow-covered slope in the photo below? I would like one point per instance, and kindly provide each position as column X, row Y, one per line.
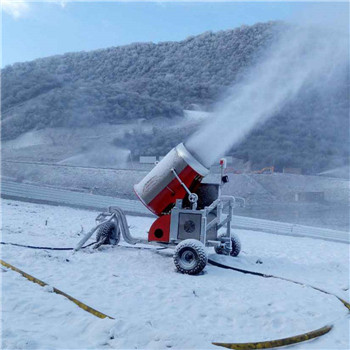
column 155, row 307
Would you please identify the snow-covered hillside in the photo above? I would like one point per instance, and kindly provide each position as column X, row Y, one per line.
column 155, row 307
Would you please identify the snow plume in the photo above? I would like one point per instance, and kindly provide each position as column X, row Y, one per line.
column 103, row 155
column 302, row 56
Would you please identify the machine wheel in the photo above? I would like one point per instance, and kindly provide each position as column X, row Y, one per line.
column 190, row 257
column 236, row 247
column 108, row 233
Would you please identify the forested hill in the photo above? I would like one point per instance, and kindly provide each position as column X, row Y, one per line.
column 141, row 80
column 146, row 81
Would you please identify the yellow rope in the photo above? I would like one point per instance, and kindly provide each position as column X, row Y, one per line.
column 346, row 304
column 279, row 342
column 237, row 346
column 57, row 291
column 286, row 341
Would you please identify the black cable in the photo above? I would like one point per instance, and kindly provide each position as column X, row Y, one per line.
column 45, row 248
column 217, row 264
column 53, row 248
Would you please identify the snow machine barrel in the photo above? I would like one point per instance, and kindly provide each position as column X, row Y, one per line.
column 160, row 189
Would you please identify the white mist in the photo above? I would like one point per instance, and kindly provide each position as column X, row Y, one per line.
column 302, row 55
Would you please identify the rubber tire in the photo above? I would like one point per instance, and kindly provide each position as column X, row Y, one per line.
column 236, row 247
column 196, row 249
column 107, row 230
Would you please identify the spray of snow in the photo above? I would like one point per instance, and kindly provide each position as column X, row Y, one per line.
column 100, row 156
column 301, row 56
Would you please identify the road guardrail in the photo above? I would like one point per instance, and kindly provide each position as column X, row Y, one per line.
column 57, row 196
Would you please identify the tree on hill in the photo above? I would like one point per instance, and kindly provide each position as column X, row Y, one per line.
column 147, row 81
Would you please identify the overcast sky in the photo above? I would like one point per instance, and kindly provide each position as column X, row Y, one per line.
column 38, row 29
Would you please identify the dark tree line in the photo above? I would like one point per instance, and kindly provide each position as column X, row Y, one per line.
column 118, row 84
column 147, row 81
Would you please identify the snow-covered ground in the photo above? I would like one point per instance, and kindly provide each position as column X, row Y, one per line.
column 154, row 306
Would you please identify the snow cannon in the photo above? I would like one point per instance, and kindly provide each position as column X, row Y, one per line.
column 190, row 213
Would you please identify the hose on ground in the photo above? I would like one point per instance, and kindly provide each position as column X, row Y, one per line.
column 44, row 248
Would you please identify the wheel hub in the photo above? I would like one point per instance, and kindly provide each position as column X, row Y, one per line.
column 188, row 258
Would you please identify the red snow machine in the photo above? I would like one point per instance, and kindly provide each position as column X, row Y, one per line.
column 189, row 213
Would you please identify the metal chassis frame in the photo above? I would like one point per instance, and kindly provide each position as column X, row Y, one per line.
column 221, row 220
column 223, row 202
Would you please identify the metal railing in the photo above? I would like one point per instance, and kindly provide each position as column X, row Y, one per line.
column 289, row 229
column 50, row 195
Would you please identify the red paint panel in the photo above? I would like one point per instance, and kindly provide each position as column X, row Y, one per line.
column 160, row 230
column 173, row 191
